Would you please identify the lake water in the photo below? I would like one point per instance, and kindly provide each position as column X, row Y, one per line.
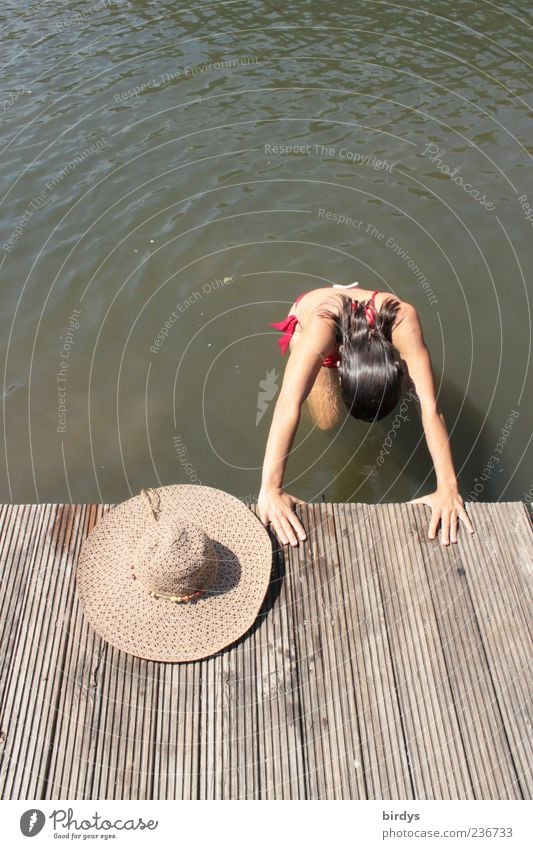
column 174, row 175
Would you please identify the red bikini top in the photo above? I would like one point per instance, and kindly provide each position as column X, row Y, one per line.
column 288, row 325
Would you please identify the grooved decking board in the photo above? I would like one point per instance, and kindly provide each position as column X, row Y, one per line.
column 381, row 760
column 382, row 666
column 39, row 626
column 501, row 599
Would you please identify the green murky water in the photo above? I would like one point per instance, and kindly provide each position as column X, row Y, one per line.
column 174, row 175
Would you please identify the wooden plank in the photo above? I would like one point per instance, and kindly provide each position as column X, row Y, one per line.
column 192, row 674
column 123, row 754
column 280, row 747
column 482, row 742
column 513, row 529
column 438, row 769
column 213, row 748
column 38, row 662
column 70, row 771
column 307, row 643
column 329, row 650
column 496, row 587
column 247, row 730
column 22, row 530
column 287, row 692
column 381, row 757
column 341, row 646
column 326, row 575
column 179, row 718
column 106, row 708
column 242, row 730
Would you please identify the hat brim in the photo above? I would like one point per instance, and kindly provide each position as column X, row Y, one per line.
column 120, row 608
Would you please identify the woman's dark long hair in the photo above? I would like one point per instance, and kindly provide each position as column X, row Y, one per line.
column 371, row 370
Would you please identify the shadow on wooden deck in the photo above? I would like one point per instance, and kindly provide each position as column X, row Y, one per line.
column 382, row 666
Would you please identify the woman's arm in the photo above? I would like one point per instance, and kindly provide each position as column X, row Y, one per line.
column 446, row 503
column 305, row 361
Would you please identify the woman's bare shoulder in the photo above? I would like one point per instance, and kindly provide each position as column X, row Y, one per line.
column 407, row 329
column 381, row 297
column 406, row 312
column 406, row 322
column 315, row 301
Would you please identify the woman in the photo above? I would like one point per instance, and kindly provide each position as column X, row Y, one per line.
column 356, row 349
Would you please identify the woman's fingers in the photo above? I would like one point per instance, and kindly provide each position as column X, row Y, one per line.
column 294, row 529
column 288, row 534
column 288, row 528
column 445, row 527
column 277, row 527
column 277, row 509
column 463, row 515
column 297, row 525
column 434, row 524
column 290, row 531
column 453, row 526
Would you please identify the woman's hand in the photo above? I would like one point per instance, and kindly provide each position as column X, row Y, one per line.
column 276, row 509
column 447, row 507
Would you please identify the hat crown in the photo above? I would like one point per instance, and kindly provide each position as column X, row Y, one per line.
column 175, row 557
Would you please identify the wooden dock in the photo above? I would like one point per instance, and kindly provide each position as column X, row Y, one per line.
column 382, row 666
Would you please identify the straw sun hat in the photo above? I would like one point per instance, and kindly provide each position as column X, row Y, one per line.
column 176, row 573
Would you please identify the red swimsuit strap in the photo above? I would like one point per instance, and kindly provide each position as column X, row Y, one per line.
column 287, row 327
column 370, row 310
